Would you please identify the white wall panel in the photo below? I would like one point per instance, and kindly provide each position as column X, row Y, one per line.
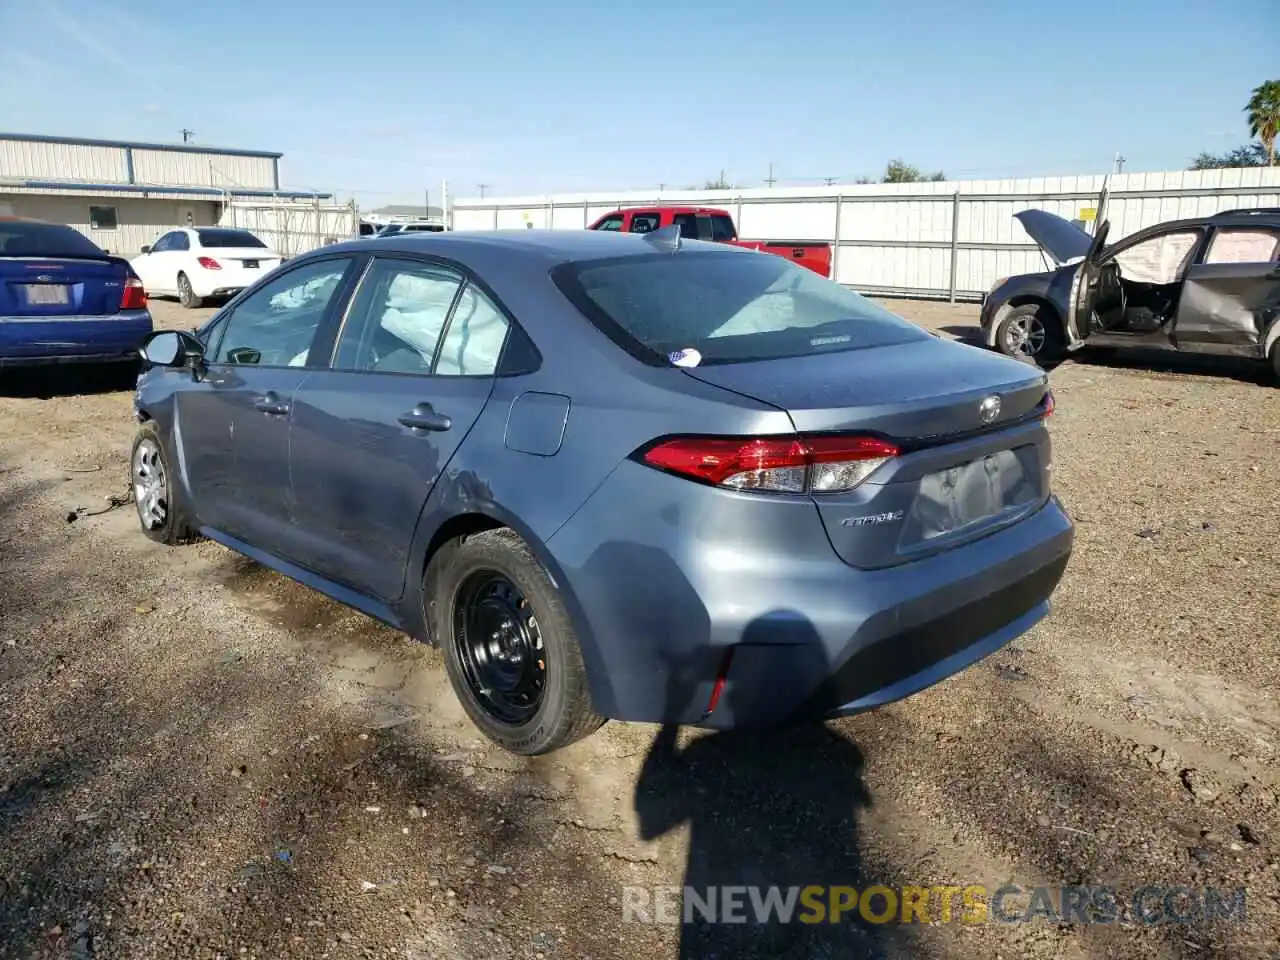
column 898, row 236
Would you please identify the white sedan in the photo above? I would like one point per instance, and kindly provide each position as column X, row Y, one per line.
column 195, row 263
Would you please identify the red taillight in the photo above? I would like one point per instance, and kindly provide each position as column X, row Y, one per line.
column 1046, row 405
column 209, row 263
column 774, row 464
column 134, row 297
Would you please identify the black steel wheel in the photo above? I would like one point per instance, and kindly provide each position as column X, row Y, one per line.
column 499, row 647
column 509, row 645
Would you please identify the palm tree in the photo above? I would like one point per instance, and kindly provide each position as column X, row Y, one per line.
column 1264, row 116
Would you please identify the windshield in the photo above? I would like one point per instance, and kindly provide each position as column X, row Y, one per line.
column 23, row 239
column 730, row 307
column 229, row 238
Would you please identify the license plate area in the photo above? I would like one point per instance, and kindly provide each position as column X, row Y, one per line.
column 250, row 264
column 959, row 499
column 46, row 294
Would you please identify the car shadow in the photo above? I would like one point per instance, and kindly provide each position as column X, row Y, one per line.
column 1174, row 364
column 774, row 813
column 63, row 380
column 965, row 333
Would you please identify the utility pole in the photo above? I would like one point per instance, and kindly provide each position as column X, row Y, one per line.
column 482, row 187
column 187, row 135
column 770, row 180
column 1119, row 163
column 426, row 202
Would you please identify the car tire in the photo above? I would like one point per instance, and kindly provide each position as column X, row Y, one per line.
column 186, row 295
column 157, row 497
column 510, row 649
column 1275, row 364
column 1030, row 333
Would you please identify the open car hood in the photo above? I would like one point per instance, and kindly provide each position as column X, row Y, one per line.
column 1061, row 239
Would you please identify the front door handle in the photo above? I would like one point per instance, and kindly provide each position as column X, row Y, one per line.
column 423, row 417
column 269, row 403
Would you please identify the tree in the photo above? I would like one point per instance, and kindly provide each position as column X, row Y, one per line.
column 897, row 171
column 1263, row 111
column 1250, row 155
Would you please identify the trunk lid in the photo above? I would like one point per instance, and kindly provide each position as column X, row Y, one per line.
column 258, row 258
column 61, row 286
column 959, row 476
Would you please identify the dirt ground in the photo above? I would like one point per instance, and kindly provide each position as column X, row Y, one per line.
column 203, row 759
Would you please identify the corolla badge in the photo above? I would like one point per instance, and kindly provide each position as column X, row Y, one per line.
column 989, row 409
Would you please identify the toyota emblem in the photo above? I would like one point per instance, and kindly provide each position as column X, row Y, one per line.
column 989, row 409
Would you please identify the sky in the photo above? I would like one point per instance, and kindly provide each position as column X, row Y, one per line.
column 385, row 99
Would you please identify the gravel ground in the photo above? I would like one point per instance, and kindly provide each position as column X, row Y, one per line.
column 203, row 759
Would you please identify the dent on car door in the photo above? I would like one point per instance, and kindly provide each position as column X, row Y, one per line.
column 413, row 367
column 234, row 423
column 1230, row 300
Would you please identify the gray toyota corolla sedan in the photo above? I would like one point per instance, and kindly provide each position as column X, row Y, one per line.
column 613, row 476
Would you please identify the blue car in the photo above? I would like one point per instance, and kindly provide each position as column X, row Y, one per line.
column 64, row 300
column 613, row 476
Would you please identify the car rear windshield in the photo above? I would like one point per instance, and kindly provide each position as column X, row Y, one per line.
column 730, row 307
column 228, row 238
column 20, row 239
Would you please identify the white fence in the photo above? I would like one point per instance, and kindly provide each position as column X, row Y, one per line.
column 293, row 227
column 949, row 239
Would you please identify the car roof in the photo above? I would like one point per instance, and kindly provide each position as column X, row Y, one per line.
column 548, row 246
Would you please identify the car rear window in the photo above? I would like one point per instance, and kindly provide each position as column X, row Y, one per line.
column 21, row 239
column 730, row 307
column 228, row 238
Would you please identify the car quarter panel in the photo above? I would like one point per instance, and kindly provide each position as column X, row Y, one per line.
column 687, row 571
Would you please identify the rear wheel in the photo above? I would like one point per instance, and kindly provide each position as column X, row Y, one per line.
column 1030, row 333
column 509, row 647
column 186, row 295
column 156, row 495
column 1275, row 364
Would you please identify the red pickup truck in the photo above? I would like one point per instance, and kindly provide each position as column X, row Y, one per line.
column 708, row 223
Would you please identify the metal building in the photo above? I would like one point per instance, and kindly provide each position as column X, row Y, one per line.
column 123, row 194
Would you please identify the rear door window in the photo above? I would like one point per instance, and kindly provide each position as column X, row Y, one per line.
column 1243, row 246
column 722, row 228
column 397, row 318
column 729, row 306
column 645, row 222
column 473, row 343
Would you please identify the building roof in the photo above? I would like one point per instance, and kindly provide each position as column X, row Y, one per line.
column 139, row 145
column 156, row 191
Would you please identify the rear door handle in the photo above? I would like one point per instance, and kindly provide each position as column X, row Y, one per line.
column 271, row 404
column 424, row 417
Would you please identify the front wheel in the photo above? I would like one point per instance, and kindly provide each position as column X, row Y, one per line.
column 186, row 294
column 156, row 494
column 1030, row 333
column 510, row 650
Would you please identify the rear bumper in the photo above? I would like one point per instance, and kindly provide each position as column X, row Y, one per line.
column 795, row 632
column 29, row 341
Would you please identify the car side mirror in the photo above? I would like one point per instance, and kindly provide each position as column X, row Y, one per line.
column 173, row 348
column 147, row 248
